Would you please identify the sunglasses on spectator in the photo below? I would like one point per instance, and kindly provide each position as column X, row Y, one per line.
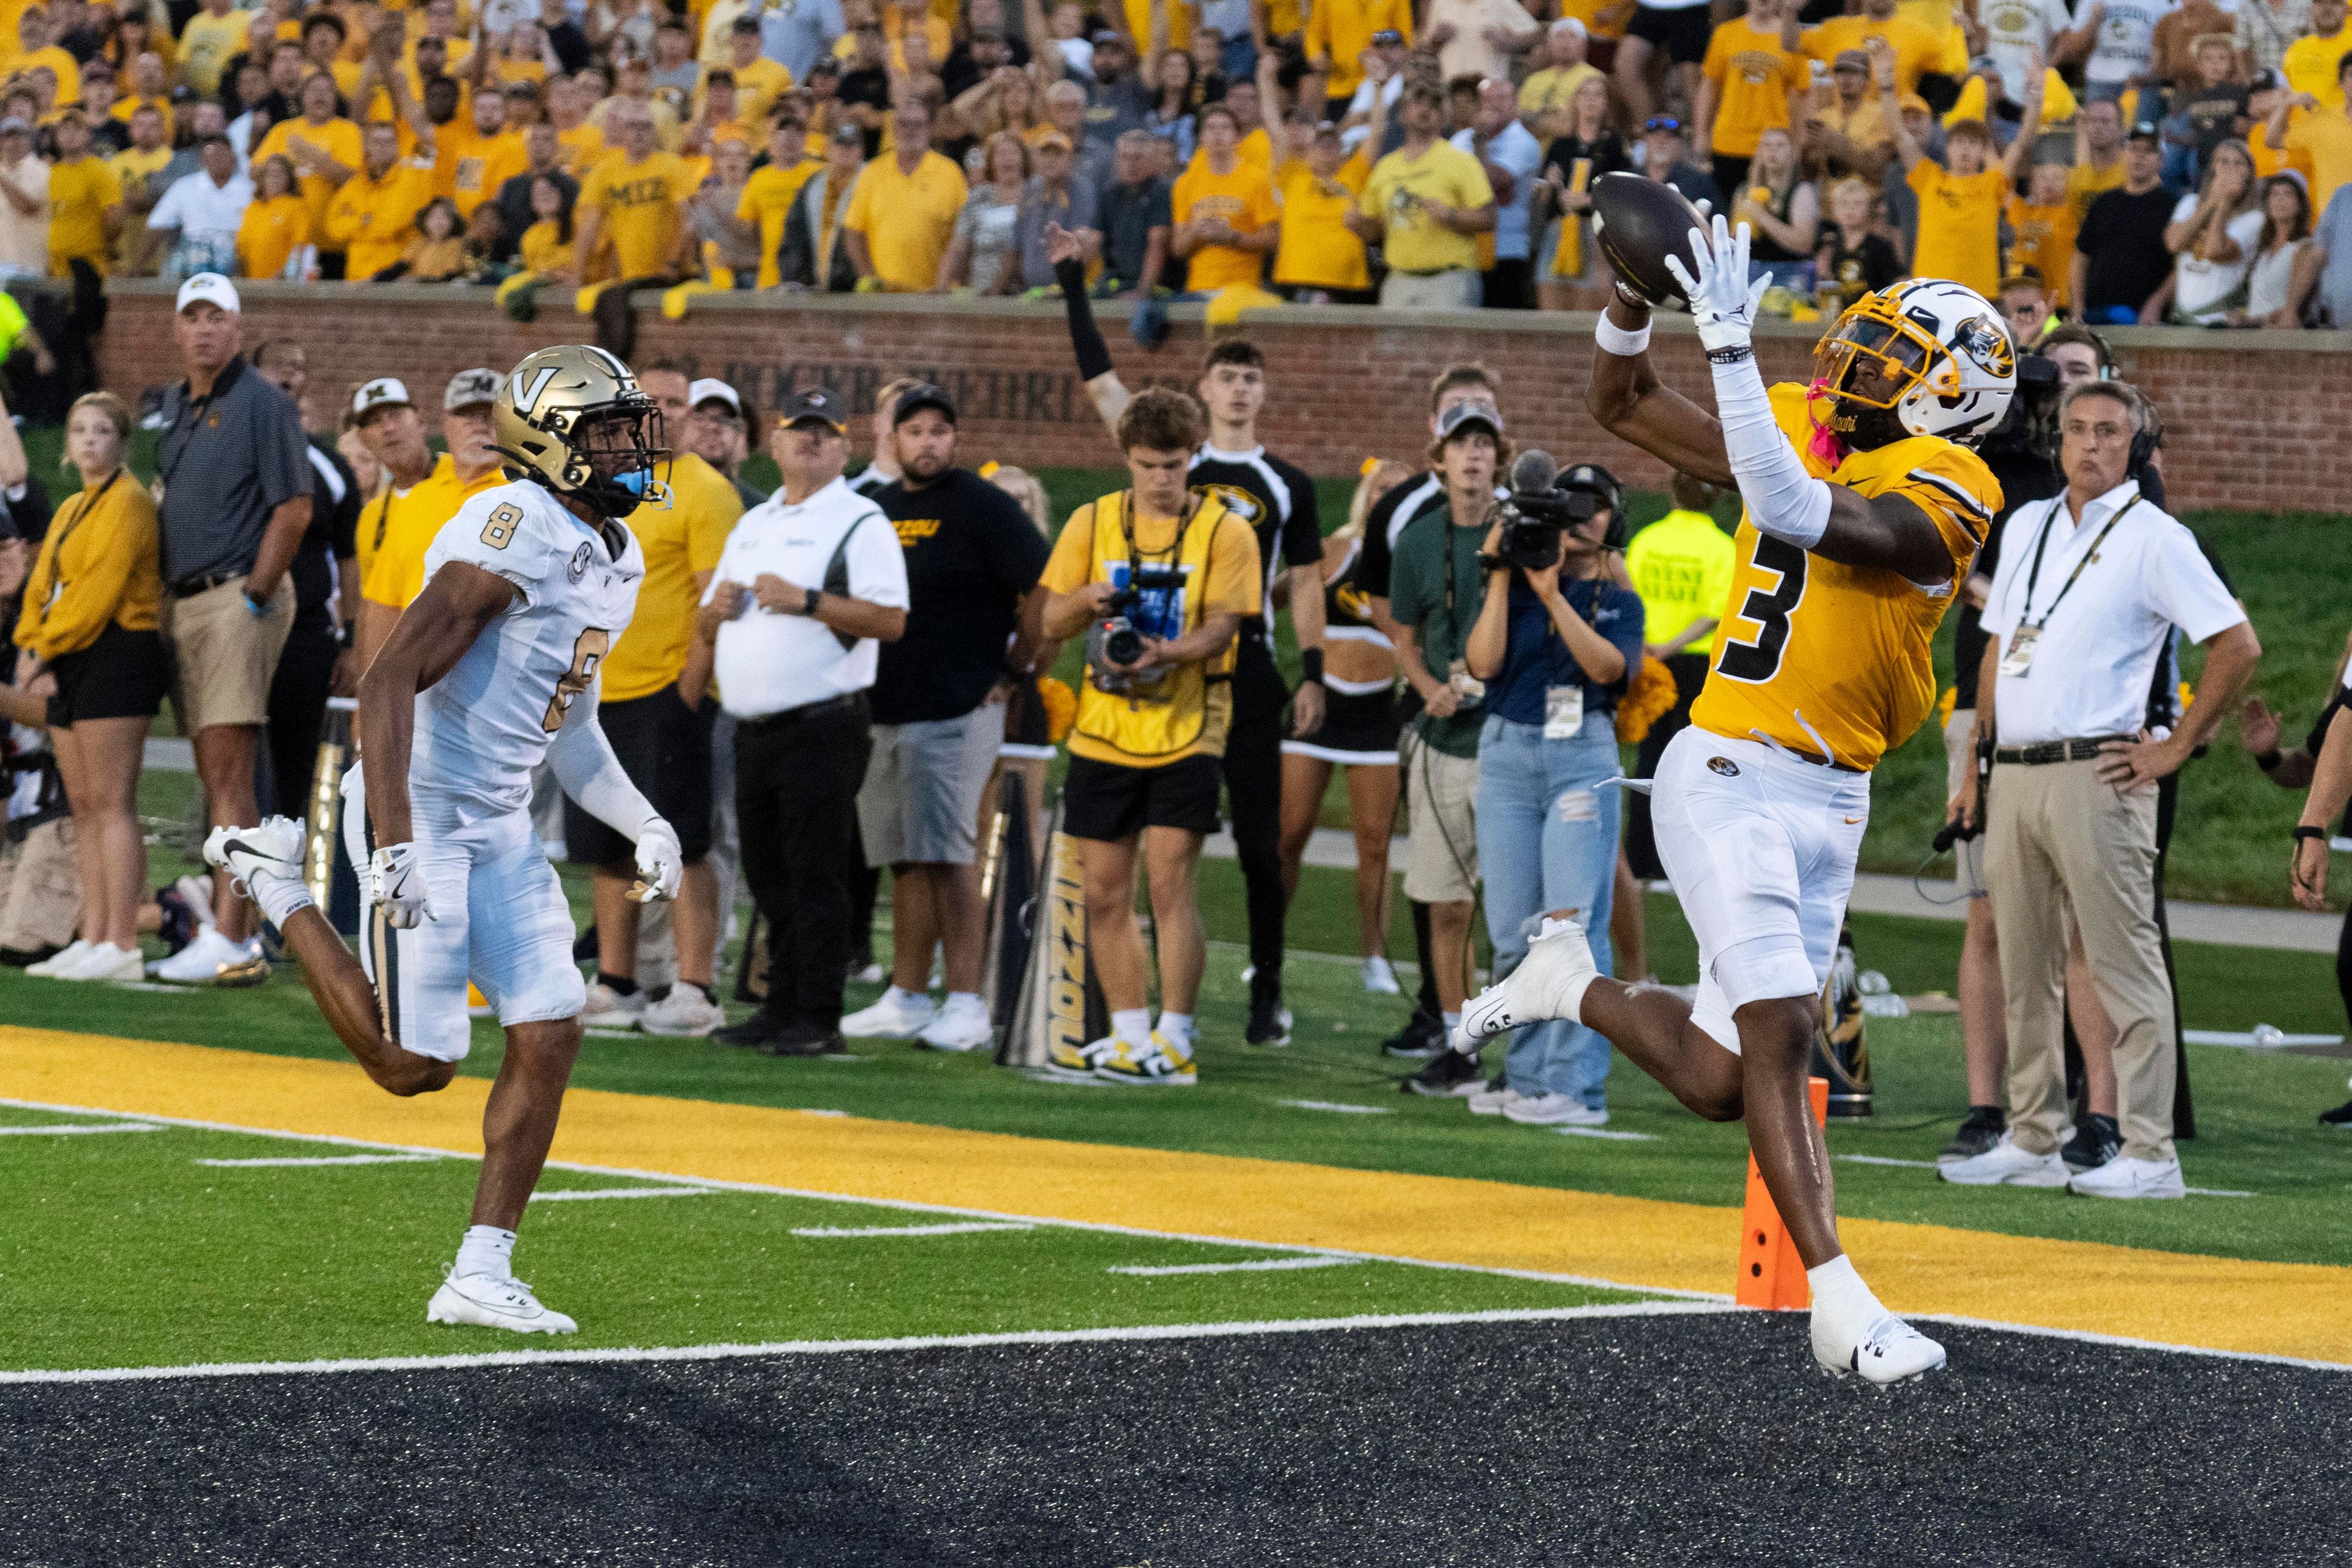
column 1663, row 123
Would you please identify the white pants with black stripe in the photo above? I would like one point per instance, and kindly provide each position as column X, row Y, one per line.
column 1760, row 848
column 500, row 916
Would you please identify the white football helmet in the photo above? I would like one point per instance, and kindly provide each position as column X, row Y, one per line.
column 1948, row 367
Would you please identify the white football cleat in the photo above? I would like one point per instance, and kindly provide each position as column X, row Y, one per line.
column 1890, row 1351
column 210, row 959
column 1549, row 983
column 273, row 846
column 480, row 1301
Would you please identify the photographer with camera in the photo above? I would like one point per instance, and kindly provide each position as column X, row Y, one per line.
column 1158, row 579
column 1556, row 641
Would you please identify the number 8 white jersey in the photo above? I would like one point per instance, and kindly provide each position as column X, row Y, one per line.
column 483, row 727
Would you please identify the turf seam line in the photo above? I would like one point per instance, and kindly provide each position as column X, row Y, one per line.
column 1031, row 1337
column 909, row 1205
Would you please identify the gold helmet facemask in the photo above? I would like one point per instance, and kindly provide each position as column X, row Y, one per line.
column 554, row 418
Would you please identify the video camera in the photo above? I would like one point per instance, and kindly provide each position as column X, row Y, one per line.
column 2031, row 424
column 1537, row 511
column 1113, row 640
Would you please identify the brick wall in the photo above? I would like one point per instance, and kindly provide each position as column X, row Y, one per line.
column 2255, row 419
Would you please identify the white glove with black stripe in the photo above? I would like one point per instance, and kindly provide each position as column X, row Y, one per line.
column 397, row 886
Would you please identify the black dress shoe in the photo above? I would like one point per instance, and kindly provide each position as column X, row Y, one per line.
column 756, row 1030
column 801, row 1039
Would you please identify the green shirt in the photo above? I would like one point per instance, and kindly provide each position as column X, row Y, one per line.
column 1682, row 566
column 1418, row 598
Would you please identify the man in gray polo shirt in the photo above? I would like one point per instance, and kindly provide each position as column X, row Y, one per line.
column 236, row 500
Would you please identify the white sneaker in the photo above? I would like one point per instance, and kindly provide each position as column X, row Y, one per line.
column 1494, row 1100
column 1554, row 1110
column 2126, row 1177
column 1163, row 1061
column 1889, row 1351
column 482, row 1302
column 897, row 1015
column 2006, row 1165
column 1380, row 979
column 1549, row 983
column 109, row 963
column 204, row 960
column 608, row 1009
column 60, row 965
column 867, row 974
column 685, row 1011
column 960, row 1025
column 273, row 846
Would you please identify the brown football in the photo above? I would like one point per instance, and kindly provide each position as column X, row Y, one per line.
column 1638, row 223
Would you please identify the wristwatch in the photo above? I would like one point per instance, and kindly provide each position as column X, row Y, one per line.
column 809, row 604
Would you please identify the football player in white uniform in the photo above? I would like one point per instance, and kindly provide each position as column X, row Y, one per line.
column 492, row 669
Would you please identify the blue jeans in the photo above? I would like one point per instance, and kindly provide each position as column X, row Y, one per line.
column 1548, row 840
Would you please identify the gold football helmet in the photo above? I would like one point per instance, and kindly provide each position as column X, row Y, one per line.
column 575, row 419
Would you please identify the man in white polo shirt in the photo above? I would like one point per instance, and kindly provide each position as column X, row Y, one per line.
column 810, row 582
column 2090, row 588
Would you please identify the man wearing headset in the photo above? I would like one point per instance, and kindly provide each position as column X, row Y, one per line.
column 2090, row 586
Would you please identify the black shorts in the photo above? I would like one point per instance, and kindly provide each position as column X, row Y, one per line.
column 664, row 748
column 1109, row 802
column 1682, row 34
column 1360, row 729
column 122, row 675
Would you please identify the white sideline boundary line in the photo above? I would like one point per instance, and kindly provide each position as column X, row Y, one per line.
column 847, row 1232
column 1259, row 1266
column 585, row 1194
column 1142, row 1333
column 67, row 1129
column 907, row 1206
column 1338, row 1106
column 291, row 1161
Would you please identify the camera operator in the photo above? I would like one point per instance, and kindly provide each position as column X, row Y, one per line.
column 1555, row 641
column 1158, row 578
column 2079, row 615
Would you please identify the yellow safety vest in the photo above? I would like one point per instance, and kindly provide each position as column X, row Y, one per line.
column 1156, row 723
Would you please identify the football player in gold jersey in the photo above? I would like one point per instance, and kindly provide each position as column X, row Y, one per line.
column 1865, row 505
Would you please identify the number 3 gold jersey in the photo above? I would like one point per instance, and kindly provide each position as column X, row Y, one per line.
column 1821, row 657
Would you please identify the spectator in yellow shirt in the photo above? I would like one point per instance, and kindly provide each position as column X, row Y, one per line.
column 1749, row 83
column 85, row 201
column 373, row 213
column 2322, row 135
column 759, row 80
column 2098, row 155
column 322, row 148
column 277, row 223
column 1426, row 204
column 211, row 36
column 415, row 509
column 2041, row 225
column 769, row 194
column 37, row 51
column 546, row 248
column 1340, row 31
column 149, row 89
column 1226, row 219
column 903, row 212
column 1548, row 93
column 632, row 202
column 1319, row 256
column 1960, row 206
column 469, row 167
column 1918, row 48
column 2310, row 62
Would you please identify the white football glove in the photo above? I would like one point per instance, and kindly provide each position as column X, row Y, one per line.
column 660, row 863
column 397, row 886
column 1724, row 304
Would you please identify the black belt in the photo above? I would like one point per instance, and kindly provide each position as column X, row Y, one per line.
column 1830, row 762
column 2047, row 752
column 188, row 587
column 854, row 701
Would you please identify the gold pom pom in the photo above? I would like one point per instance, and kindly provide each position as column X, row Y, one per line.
column 1061, row 708
column 1649, row 698
column 1944, row 708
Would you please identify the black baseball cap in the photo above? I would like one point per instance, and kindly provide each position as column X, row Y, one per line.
column 2145, row 130
column 746, row 25
column 1589, row 479
column 815, row 403
column 915, row 399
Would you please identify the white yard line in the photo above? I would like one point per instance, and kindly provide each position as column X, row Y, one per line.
column 326, row 1159
column 1041, row 1337
column 1614, row 1133
column 1340, row 1106
column 842, row 1232
column 68, row 1129
column 582, row 1195
column 1257, row 1266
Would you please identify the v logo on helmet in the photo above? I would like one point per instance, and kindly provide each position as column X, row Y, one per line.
column 528, row 394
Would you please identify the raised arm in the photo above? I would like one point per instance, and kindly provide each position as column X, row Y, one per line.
column 1067, row 252
column 2019, row 155
column 1629, row 402
column 1882, row 73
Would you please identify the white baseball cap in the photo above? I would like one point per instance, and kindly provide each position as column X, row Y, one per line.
column 210, row 287
column 383, row 392
column 711, row 388
column 470, row 389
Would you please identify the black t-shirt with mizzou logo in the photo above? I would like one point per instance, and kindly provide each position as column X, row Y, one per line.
column 972, row 553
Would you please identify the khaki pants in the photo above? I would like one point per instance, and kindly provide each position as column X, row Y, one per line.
column 224, row 655
column 2057, row 838
column 1442, row 806
column 40, row 889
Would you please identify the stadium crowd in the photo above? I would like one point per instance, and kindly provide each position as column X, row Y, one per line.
column 2112, row 162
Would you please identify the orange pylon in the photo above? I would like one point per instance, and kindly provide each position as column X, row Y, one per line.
column 1772, row 1275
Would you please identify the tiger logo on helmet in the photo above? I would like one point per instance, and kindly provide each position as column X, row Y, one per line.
column 554, row 420
column 1948, row 366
